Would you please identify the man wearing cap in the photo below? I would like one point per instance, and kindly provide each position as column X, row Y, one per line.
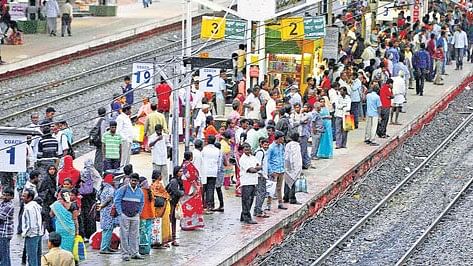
column 276, row 165
column 199, row 122
column 125, row 129
column 48, row 119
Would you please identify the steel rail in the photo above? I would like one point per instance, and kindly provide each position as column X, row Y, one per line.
column 373, row 211
column 421, row 239
column 120, row 62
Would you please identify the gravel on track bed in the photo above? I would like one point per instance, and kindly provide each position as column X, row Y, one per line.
column 304, row 245
column 451, row 242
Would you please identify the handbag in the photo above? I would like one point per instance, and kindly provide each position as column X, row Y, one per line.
column 271, row 188
column 301, row 184
column 159, row 202
column 178, row 212
column 348, row 122
column 79, row 250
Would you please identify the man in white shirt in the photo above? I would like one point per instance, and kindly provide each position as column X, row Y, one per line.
column 221, row 93
column 460, row 43
column 159, row 143
column 261, row 193
column 210, row 164
column 61, row 139
column 198, row 163
column 295, row 96
column 271, row 106
column 253, row 104
column 249, row 168
column 199, row 122
column 32, row 227
column 52, row 13
column 125, row 129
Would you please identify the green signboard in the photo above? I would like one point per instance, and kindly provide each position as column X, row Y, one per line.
column 235, row 29
column 314, row 28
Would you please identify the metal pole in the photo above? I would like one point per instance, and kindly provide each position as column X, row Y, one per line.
column 262, row 51
column 175, row 116
column 188, row 71
column 329, row 12
column 248, row 54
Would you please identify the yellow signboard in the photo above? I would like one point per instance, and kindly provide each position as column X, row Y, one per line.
column 212, row 28
column 292, row 28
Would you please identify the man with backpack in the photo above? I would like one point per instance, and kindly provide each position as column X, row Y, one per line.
column 95, row 138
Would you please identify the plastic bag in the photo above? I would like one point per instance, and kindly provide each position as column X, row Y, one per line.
column 79, row 250
column 178, row 212
column 138, row 132
column 301, row 184
column 271, row 188
column 348, row 122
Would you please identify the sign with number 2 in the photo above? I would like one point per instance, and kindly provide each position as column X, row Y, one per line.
column 292, row 29
column 209, row 79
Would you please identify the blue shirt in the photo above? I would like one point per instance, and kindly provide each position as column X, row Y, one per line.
column 421, row 60
column 355, row 94
column 128, row 91
column 276, row 158
column 373, row 102
column 395, row 54
column 401, row 66
column 128, row 201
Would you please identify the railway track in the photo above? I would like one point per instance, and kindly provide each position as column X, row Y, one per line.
column 389, row 226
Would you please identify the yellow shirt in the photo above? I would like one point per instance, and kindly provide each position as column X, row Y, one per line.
column 58, row 257
column 152, row 120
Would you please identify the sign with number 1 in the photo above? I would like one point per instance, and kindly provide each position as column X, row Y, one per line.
column 209, row 79
column 12, row 153
column 143, row 75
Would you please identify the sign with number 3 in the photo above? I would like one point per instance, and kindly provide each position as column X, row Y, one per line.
column 12, row 153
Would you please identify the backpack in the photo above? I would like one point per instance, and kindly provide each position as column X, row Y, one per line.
column 87, row 186
column 95, row 136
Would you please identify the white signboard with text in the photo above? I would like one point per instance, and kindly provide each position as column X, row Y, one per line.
column 13, row 153
column 143, row 75
column 209, row 79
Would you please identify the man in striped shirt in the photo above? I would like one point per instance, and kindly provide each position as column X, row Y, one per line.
column 6, row 226
column 111, row 148
column 48, row 151
column 32, row 224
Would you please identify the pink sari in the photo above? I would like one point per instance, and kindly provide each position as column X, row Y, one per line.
column 191, row 202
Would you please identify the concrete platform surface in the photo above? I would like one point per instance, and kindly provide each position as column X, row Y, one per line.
column 224, row 240
column 88, row 32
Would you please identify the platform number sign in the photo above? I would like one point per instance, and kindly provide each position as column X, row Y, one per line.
column 12, row 153
column 143, row 75
column 292, row 29
column 212, row 28
column 209, row 79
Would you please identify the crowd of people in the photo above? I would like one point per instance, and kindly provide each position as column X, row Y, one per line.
column 258, row 151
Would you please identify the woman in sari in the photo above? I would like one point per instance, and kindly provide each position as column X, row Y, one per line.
column 228, row 168
column 326, row 140
column 66, row 214
column 161, row 229
column 192, row 206
column 147, row 217
column 107, row 222
column 176, row 191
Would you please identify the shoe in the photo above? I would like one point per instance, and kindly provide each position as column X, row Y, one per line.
column 106, row 252
column 112, row 250
column 367, row 141
column 138, row 257
column 174, row 243
column 220, row 209
column 262, row 215
column 281, row 207
column 374, row 144
column 126, row 258
column 250, row 222
column 305, row 167
column 62, row 35
column 296, row 203
column 438, row 84
column 268, row 208
column 421, row 94
column 70, row 35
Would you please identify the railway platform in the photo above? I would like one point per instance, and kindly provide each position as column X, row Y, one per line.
column 226, row 241
column 90, row 34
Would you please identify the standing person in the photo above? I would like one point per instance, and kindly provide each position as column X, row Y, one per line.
column 62, row 141
column 399, row 92
column 69, row 172
column 198, row 163
column 101, row 125
column 342, row 108
column 276, row 165
column 421, row 62
column 57, row 256
column 228, row 157
column 90, row 182
column 159, row 143
column 386, row 96
column 176, row 191
column 249, row 179
column 66, row 214
column 32, row 227
column 355, row 96
column 161, row 234
column 155, row 118
column 293, row 167
column 200, row 121
column 221, row 93
column 439, row 59
column 163, row 94
column 47, row 192
column 253, row 104
column 192, row 207
column 7, row 212
column 129, row 202
column 373, row 110
column 48, row 117
column 128, row 91
column 210, row 164
column 107, row 221
column 125, row 129
column 304, row 131
column 147, row 217
column 325, row 147
column 111, row 148
column 460, row 43
column 66, row 18
column 48, row 149
column 261, row 194
column 317, row 128
column 52, row 13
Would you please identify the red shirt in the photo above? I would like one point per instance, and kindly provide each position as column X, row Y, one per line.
column 325, row 84
column 163, row 92
column 385, row 94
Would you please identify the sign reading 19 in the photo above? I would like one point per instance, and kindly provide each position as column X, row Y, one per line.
column 146, row 76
